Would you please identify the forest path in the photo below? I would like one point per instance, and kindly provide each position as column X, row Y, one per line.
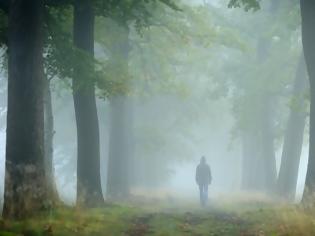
column 196, row 224
column 168, row 218
column 252, row 218
column 194, row 221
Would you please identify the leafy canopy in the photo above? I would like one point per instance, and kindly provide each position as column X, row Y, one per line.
column 246, row 4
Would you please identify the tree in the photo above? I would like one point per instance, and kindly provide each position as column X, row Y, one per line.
column 266, row 118
column 88, row 163
column 168, row 54
column 259, row 164
column 277, row 10
column 49, row 140
column 308, row 37
column 293, row 139
column 126, row 15
column 25, row 185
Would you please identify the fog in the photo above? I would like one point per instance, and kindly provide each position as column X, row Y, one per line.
column 215, row 82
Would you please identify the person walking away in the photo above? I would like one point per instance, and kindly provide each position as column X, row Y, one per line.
column 203, row 179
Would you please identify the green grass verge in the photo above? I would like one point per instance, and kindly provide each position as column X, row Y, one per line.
column 128, row 220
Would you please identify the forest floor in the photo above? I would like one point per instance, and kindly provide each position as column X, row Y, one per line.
column 173, row 217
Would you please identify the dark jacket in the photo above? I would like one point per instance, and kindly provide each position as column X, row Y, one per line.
column 203, row 174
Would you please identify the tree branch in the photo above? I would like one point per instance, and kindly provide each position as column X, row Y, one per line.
column 5, row 5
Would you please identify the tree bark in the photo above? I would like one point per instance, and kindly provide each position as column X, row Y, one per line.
column 25, row 185
column 89, row 191
column 293, row 140
column 308, row 39
column 49, row 142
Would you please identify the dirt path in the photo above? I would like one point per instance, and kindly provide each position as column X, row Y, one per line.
column 191, row 223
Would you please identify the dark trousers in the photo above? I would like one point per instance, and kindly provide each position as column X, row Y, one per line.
column 203, row 189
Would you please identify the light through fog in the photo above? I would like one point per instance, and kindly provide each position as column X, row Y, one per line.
column 201, row 80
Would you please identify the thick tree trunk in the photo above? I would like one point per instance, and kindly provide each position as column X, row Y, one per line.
column 49, row 142
column 89, row 190
column 308, row 39
column 25, row 185
column 293, row 139
column 120, row 151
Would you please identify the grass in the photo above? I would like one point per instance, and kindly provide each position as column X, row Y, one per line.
column 161, row 218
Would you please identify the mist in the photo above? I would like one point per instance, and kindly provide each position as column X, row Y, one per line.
column 182, row 107
column 167, row 117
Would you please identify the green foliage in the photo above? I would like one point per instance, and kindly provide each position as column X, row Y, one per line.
column 265, row 69
column 172, row 62
column 59, row 50
column 62, row 57
column 177, row 46
column 137, row 11
column 3, row 29
column 247, row 4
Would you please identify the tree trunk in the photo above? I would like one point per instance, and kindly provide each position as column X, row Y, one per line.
column 308, row 39
column 120, row 151
column 49, row 142
column 293, row 140
column 267, row 159
column 268, row 156
column 25, row 185
column 259, row 163
column 251, row 170
column 89, row 190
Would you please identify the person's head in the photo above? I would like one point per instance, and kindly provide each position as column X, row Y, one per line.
column 203, row 160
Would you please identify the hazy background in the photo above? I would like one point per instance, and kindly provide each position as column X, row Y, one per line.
column 189, row 105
